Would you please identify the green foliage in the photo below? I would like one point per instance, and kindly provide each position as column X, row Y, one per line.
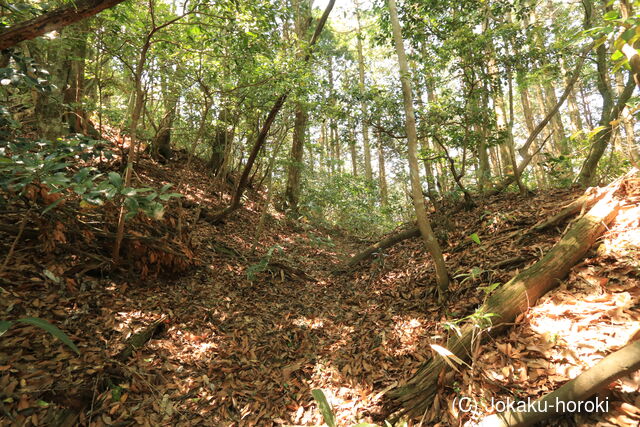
column 558, row 168
column 53, row 165
column 42, row 324
column 24, row 73
column 261, row 266
column 475, row 238
column 325, row 408
column 473, row 274
column 351, row 203
column 478, row 318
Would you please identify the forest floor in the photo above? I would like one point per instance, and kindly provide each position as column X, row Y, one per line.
column 245, row 341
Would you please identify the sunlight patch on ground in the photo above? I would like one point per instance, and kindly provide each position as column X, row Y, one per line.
column 407, row 336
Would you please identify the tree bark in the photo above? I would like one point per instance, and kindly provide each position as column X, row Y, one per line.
column 54, row 20
column 609, row 114
column 529, row 119
column 382, row 174
column 292, row 192
column 73, row 89
column 430, row 241
column 513, row 298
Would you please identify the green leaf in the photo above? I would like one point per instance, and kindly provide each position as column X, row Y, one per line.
column 53, row 330
column 51, row 276
column 4, row 326
column 325, row 408
column 132, row 205
column 475, row 238
column 617, row 55
column 116, row 393
column 115, row 179
column 52, row 205
column 128, row 191
column 628, row 35
column 612, row 14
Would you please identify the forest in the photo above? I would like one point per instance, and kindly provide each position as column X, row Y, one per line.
column 331, row 213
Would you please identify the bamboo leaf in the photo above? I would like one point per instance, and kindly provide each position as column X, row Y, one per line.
column 53, row 330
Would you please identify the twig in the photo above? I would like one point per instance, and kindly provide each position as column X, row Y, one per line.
column 23, row 223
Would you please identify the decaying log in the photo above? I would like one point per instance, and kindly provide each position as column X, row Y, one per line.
column 614, row 366
column 138, row 340
column 383, row 244
column 511, row 299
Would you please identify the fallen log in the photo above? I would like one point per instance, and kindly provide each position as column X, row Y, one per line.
column 614, row 366
column 383, row 244
column 511, row 299
column 582, row 203
column 139, row 339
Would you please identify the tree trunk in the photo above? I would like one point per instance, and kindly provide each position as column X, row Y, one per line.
column 54, row 20
column 292, row 192
column 73, row 89
column 430, row 241
column 368, row 173
column 528, row 119
column 511, row 299
column 354, row 155
column 382, row 245
column 551, row 99
column 611, row 109
column 574, row 111
column 382, row 175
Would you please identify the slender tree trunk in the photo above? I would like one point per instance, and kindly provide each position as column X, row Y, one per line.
column 427, row 146
column 587, row 110
column 336, row 145
column 354, row 157
column 368, row 173
column 138, row 104
column 574, row 110
column 73, row 89
column 382, row 174
column 292, row 192
column 431, row 243
column 529, row 120
column 551, row 99
column 611, row 109
column 324, row 149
